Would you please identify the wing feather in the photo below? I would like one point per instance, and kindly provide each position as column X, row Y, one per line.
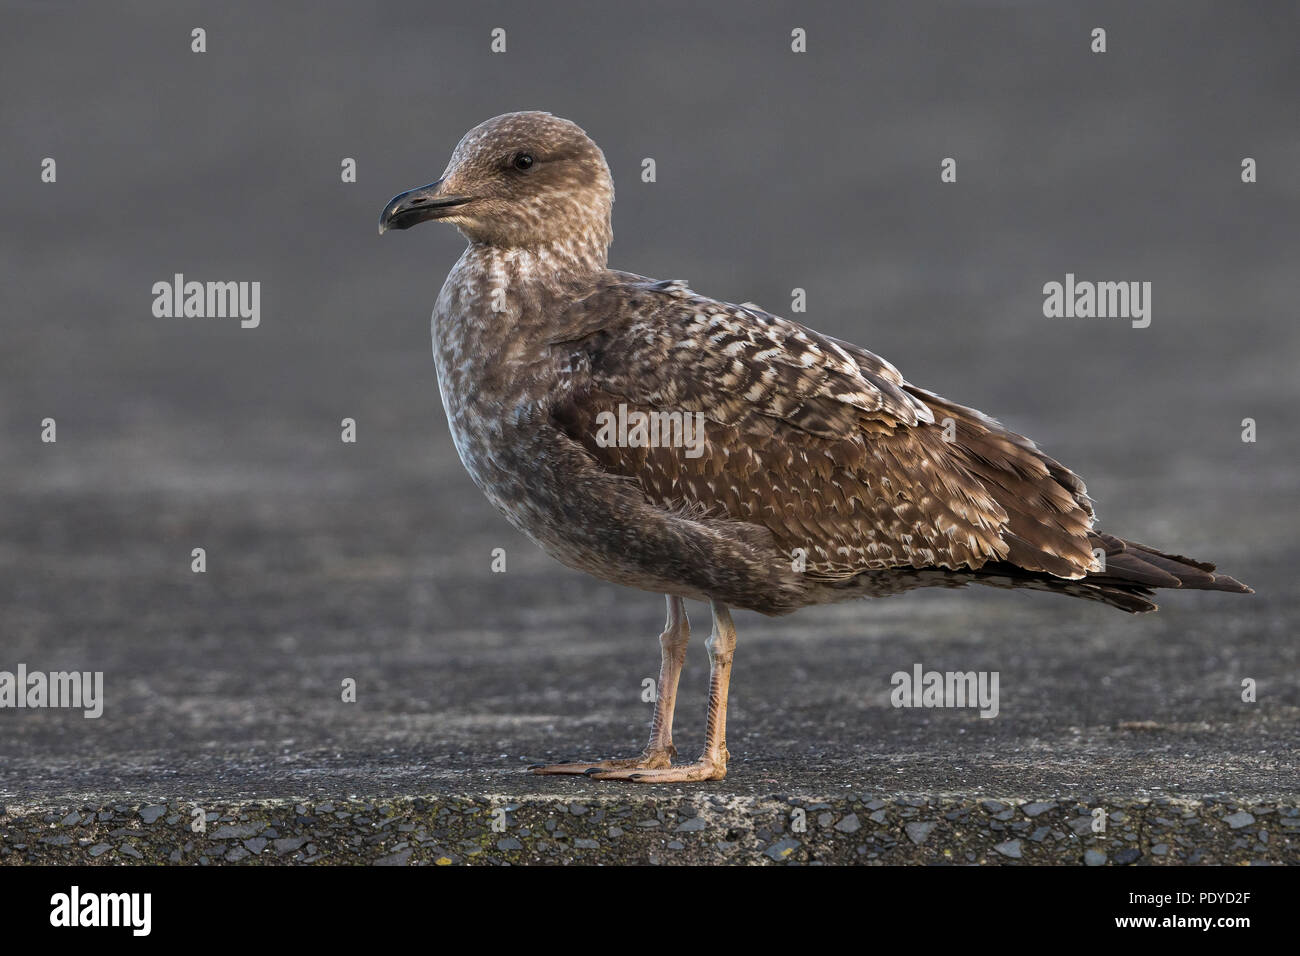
column 816, row 440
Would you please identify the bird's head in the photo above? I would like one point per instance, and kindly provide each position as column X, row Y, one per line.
column 517, row 180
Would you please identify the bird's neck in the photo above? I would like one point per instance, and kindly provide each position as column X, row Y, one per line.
column 512, row 289
column 499, row 303
column 555, row 262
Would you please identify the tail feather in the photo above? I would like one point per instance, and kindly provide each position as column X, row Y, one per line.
column 1132, row 573
column 1129, row 563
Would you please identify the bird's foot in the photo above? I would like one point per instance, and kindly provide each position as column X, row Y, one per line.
column 702, row 769
column 647, row 760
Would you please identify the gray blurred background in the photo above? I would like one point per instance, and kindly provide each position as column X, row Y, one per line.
column 775, row 170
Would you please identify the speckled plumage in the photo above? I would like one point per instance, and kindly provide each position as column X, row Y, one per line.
column 825, row 475
column 817, row 449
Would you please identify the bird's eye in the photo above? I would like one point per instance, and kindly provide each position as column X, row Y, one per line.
column 524, row 161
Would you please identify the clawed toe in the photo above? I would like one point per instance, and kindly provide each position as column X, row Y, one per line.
column 687, row 773
column 590, row 768
column 684, row 773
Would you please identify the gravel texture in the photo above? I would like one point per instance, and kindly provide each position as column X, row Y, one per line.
column 693, row 829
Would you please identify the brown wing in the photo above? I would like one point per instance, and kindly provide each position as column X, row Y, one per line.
column 816, row 440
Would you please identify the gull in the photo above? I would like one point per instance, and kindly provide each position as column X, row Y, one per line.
column 822, row 474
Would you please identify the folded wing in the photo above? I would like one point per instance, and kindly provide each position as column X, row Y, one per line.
column 821, row 443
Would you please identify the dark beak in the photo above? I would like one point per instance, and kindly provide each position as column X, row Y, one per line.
column 417, row 205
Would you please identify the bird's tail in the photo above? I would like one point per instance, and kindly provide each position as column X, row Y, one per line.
column 1133, row 571
column 1129, row 578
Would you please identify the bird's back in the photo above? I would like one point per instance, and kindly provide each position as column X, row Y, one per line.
column 820, row 454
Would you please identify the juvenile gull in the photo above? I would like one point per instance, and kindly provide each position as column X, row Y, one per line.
column 823, row 475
